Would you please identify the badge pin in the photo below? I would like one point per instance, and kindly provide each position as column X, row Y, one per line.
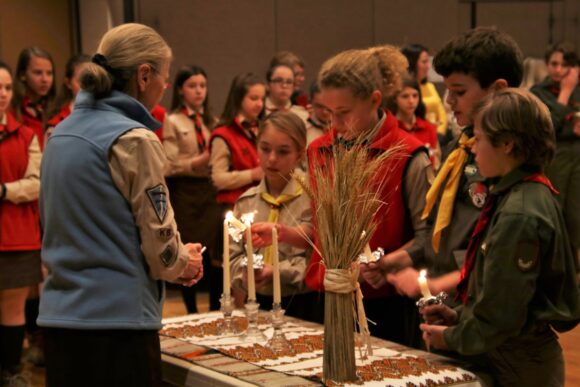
column 525, row 265
column 470, row 170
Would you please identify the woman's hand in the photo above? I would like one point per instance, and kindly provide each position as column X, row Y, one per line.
column 193, row 271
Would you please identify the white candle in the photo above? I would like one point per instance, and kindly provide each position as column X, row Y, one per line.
column 423, row 284
column 234, row 221
column 226, row 259
column 276, row 267
column 250, row 255
column 368, row 253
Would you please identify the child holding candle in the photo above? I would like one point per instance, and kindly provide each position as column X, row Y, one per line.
column 519, row 243
column 473, row 65
column 280, row 204
column 353, row 86
column 233, row 159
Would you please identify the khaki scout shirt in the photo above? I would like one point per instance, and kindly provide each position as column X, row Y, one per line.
column 270, row 108
column 524, row 276
column 293, row 260
column 137, row 162
column 180, row 143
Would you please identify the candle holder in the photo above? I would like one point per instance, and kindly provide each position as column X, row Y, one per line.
column 375, row 256
column 258, row 262
column 433, row 300
column 253, row 333
column 227, row 307
column 278, row 343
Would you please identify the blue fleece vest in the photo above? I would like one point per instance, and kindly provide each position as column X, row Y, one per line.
column 98, row 277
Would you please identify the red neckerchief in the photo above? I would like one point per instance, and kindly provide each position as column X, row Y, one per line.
column 35, row 110
column 478, row 233
column 249, row 126
column 198, row 125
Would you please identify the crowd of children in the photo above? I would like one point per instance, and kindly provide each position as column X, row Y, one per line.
column 484, row 216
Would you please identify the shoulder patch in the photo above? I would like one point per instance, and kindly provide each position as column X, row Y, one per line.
column 165, row 234
column 527, row 255
column 158, row 198
column 168, row 256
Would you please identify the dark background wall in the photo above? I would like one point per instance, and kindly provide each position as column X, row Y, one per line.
column 232, row 36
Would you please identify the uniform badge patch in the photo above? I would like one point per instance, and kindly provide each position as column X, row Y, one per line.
column 526, row 255
column 165, row 234
column 158, row 198
column 168, row 256
column 470, row 170
column 478, row 193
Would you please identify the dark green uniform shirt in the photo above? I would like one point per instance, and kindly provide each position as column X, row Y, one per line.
column 562, row 116
column 524, row 275
column 470, row 198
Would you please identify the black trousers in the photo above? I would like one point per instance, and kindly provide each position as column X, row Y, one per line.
column 124, row 358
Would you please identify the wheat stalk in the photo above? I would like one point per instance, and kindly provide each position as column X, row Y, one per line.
column 346, row 190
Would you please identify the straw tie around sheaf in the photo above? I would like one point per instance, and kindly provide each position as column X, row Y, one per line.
column 345, row 281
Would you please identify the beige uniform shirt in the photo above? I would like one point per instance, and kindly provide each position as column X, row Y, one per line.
column 180, row 143
column 302, row 113
column 26, row 189
column 293, row 260
column 137, row 163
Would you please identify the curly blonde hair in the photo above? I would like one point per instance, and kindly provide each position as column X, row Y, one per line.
column 365, row 70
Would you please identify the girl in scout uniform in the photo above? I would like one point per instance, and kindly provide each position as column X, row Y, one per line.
column 518, row 281
column 419, row 64
column 35, row 90
column 280, row 85
column 353, row 85
column 405, row 105
column 70, row 88
column 233, row 157
column 19, row 230
column 279, row 202
column 186, row 133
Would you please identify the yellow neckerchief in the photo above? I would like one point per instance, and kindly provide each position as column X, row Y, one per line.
column 275, row 204
column 452, row 168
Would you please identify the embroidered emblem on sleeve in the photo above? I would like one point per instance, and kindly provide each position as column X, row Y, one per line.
column 526, row 256
column 158, row 198
column 165, row 234
column 168, row 256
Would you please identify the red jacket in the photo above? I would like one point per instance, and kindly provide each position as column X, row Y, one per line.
column 159, row 113
column 243, row 155
column 394, row 226
column 425, row 132
column 32, row 122
column 19, row 223
column 62, row 114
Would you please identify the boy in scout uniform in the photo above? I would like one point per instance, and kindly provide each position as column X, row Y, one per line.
column 473, row 65
column 518, row 282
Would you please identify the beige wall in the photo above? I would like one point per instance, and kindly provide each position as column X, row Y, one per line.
column 43, row 23
column 227, row 37
column 232, row 36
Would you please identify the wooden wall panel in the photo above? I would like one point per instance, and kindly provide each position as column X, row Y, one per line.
column 318, row 29
column 224, row 37
column 36, row 23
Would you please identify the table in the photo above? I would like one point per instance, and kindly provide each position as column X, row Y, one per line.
column 193, row 354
